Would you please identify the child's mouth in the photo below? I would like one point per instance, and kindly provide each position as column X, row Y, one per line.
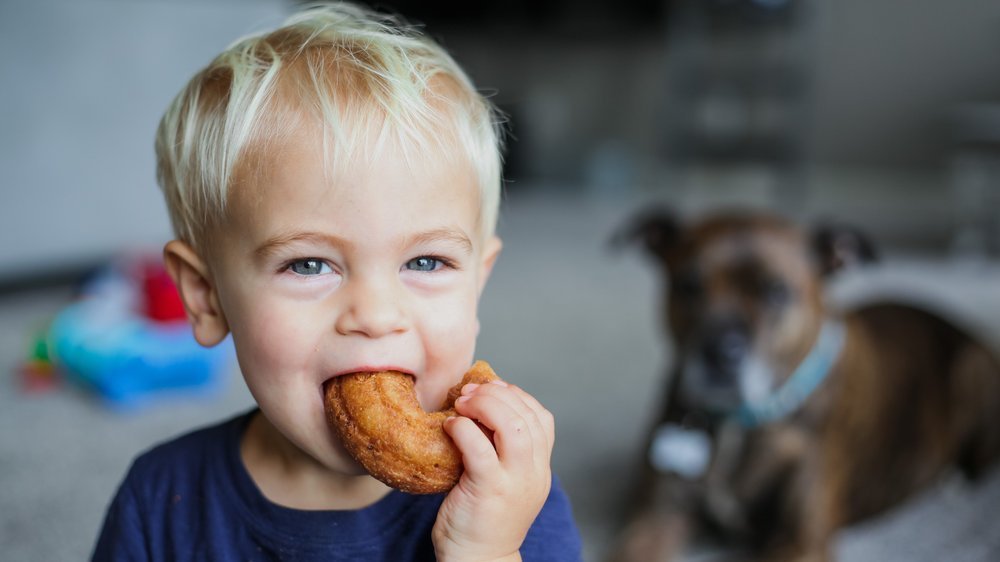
column 372, row 369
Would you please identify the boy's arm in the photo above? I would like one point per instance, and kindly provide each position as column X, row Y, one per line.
column 505, row 482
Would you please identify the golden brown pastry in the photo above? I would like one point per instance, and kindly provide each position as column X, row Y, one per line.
column 384, row 428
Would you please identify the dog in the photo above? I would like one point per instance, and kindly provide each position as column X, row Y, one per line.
column 783, row 422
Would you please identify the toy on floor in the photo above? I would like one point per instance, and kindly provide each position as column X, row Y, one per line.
column 38, row 373
column 127, row 339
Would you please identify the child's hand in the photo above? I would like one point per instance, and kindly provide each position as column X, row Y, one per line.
column 487, row 515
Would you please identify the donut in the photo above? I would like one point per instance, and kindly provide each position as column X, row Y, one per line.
column 383, row 427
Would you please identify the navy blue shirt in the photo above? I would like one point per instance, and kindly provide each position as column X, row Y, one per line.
column 193, row 499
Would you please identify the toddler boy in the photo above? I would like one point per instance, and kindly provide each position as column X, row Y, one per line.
column 334, row 186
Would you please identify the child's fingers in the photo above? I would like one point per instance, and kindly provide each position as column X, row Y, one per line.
column 526, row 404
column 505, row 393
column 478, row 454
column 518, row 435
column 544, row 416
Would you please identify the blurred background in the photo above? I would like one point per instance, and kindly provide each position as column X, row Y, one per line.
column 881, row 113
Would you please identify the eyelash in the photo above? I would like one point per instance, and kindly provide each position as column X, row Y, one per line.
column 290, row 266
column 445, row 263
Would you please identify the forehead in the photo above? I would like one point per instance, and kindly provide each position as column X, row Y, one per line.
column 306, row 148
column 720, row 249
column 295, row 185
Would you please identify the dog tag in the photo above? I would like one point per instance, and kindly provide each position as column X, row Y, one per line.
column 683, row 451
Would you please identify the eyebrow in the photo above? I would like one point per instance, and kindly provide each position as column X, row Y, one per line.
column 275, row 243
column 447, row 235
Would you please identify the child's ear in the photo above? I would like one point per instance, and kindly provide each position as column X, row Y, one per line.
column 197, row 290
column 491, row 251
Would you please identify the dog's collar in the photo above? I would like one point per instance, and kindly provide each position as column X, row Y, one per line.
column 807, row 377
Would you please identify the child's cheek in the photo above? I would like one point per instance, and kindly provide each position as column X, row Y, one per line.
column 275, row 341
column 451, row 315
column 450, row 332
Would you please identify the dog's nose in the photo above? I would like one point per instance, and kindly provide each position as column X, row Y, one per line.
column 724, row 352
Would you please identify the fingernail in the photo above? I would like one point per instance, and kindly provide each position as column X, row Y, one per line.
column 469, row 388
column 462, row 399
column 499, row 383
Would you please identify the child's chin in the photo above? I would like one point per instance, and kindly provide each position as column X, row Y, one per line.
column 350, row 467
column 431, row 399
column 342, row 462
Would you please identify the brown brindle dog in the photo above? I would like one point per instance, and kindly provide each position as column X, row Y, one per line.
column 781, row 422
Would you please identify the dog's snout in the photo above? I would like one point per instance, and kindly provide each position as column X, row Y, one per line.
column 726, row 350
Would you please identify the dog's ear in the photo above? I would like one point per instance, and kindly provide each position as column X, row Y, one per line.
column 656, row 229
column 838, row 247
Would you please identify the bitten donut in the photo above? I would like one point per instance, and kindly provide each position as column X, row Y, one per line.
column 384, row 428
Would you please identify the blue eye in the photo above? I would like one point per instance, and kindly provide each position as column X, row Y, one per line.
column 424, row 263
column 309, row 266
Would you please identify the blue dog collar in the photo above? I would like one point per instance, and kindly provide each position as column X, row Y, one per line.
column 807, row 377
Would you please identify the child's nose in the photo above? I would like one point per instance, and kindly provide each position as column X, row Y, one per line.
column 373, row 309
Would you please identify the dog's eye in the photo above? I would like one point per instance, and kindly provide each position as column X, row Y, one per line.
column 687, row 285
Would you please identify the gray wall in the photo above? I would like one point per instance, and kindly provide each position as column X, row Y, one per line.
column 84, row 84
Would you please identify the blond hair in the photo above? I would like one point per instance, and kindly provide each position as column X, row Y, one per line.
column 369, row 78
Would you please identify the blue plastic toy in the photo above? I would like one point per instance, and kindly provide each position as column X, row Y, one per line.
column 126, row 357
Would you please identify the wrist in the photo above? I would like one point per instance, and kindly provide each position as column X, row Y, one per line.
column 515, row 557
column 448, row 551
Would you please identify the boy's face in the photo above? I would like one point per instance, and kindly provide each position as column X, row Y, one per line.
column 379, row 268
